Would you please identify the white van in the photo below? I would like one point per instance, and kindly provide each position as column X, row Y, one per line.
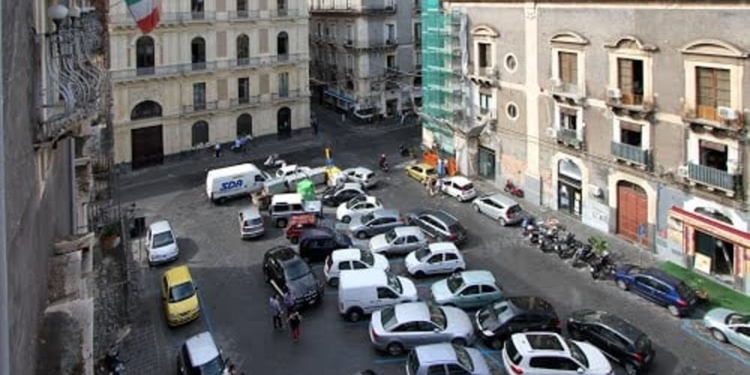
column 366, row 291
column 284, row 206
column 229, row 182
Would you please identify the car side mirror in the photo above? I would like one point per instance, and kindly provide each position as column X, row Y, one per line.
column 580, row 370
column 436, row 330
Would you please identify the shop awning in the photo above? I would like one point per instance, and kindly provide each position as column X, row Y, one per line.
column 711, row 227
column 338, row 96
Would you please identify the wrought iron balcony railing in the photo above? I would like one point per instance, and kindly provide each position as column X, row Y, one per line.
column 630, row 153
column 387, row 7
column 286, row 94
column 712, row 177
column 569, row 137
column 199, row 107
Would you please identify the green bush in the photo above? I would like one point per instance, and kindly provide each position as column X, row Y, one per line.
column 598, row 244
column 111, row 229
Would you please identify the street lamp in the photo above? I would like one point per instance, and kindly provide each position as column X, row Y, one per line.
column 57, row 13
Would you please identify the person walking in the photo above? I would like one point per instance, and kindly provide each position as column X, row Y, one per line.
column 294, row 321
column 276, row 311
column 217, row 150
column 289, row 303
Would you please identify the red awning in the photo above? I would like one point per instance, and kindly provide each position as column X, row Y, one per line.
column 712, row 227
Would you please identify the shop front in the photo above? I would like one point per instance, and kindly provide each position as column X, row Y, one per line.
column 570, row 187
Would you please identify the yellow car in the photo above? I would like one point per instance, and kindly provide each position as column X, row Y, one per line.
column 180, row 297
column 421, row 171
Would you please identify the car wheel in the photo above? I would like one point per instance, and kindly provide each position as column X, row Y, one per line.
column 458, row 341
column 361, row 235
column 346, row 219
column 718, row 335
column 266, row 278
column 419, row 274
column 334, row 281
column 394, row 349
column 459, row 269
column 354, row 315
column 281, row 223
column 621, row 284
column 673, row 310
column 630, row 369
column 501, row 221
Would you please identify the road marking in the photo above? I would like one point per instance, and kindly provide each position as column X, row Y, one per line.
column 204, row 313
column 390, row 360
column 687, row 327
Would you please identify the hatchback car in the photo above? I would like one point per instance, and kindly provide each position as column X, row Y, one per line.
column 361, row 175
column 335, row 195
column 438, row 224
column 467, row 290
column 357, row 206
column 616, row 337
column 499, row 207
column 376, row 222
column 300, row 223
column 658, row 287
column 435, row 258
column 180, row 297
column 497, row 321
column 459, row 187
column 399, row 240
column 288, row 273
column 729, row 326
column 200, row 355
column 161, row 244
column 421, row 171
column 446, row 359
column 251, row 223
column 317, row 244
column 351, row 259
column 547, row 353
column 410, row 324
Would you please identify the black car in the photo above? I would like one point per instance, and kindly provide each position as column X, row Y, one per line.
column 499, row 320
column 438, row 224
column 335, row 195
column 315, row 245
column 614, row 336
column 287, row 272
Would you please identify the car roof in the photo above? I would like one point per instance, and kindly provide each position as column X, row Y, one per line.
column 500, row 198
column 346, row 254
column 460, row 180
column 251, row 211
column 359, row 169
column 317, row 232
column 291, row 198
column 160, row 226
column 524, row 303
column 439, row 214
column 609, row 320
column 661, row 275
column 407, row 231
column 478, row 277
column 178, row 275
column 539, row 342
column 281, row 253
column 422, row 165
column 443, row 352
column 232, row 170
column 201, row 348
column 350, row 185
column 443, row 247
column 386, row 212
column 412, row 311
column 365, row 277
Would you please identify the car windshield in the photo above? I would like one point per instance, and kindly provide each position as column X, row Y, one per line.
column 163, row 239
column 354, row 201
column 502, row 312
column 367, row 257
column 296, row 270
column 212, row 367
column 366, row 218
column 395, row 283
column 738, row 319
column 388, row 318
column 468, row 186
column 577, row 353
column 455, row 282
column 422, row 253
column 437, row 316
column 181, row 292
column 340, row 238
column 430, row 171
column 463, row 357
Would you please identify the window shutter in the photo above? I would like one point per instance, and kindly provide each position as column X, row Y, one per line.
column 629, row 126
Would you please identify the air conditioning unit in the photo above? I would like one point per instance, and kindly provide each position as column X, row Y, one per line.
column 728, row 114
column 555, row 83
column 551, row 132
column 682, row 171
column 614, row 93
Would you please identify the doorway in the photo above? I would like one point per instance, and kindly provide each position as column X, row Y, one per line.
column 284, row 123
column 147, row 146
column 487, row 165
column 720, row 252
column 632, row 212
column 569, row 196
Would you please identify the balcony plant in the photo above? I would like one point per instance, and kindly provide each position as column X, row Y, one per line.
column 108, row 235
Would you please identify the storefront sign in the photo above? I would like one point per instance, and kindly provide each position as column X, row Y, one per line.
column 674, row 231
column 702, row 263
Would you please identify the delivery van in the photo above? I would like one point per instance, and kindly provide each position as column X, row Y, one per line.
column 363, row 291
column 231, row 182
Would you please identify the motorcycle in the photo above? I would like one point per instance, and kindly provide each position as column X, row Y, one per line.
column 528, row 225
column 562, row 247
column 112, row 364
column 582, row 256
column 273, row 161
column 240, row 144
column 514, row 190
column 605, row 267
column 384, row 167
column 548, row 240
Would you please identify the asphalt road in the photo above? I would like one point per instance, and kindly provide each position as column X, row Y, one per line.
column 235, row 298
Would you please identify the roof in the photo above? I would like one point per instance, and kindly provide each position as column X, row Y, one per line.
column 292, row 198
column 435, row 353
column 160, row 226
column 351, row 185
column 359, row 278
column 443, row 247
column 440, row 214
column 281, row 253
column 531, row 304
column 410, row 311
column 359, row 169
column 387, row 212
column 538, row 341
column 610, row 320
column 250, row 211
column 422, row 165
column 477, row 277
column 346, row 254
column 201, row 348
column 315, row 232
column 178, row 275
column 405, row 231
column 461, row 180
column 661, row 275
column 500, row 198
column 232, row 170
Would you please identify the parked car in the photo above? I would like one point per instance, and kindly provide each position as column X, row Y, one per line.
column 435, row 258
column 438, row 224
column 335, row 195
column 410, row 324
column 459, row 187
column 446, row 359
column 363, row 292
column 658, row 287
column 421, row 171
column 351, row 259
column 200, row 355
column 399, row 240
column 467, row 290
column 300, row 223
column 729, row 326
column 284, row 206
column 357, row 206
column 497, row 321
column 316, row 244
column 499, row 207
column 547, row 353
column 362, row 175
column 161, row 243
column 288, row 272
column 251, row 223
column 616, row 337
column 374, row 223
column 180, row 297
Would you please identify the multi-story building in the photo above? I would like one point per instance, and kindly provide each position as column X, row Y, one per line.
column 366, row 56
column 622, row 114
column 212, row 71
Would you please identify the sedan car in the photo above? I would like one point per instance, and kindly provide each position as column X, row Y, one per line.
column 288, row 273
column 410, row 324
column 376, row 222
column 729, row 326
column 446, row 359
column 467, row 290
column 658, row 287
column 362, row 175
column 616, row 337
column 200, row 355
column 421, row 171
column 438, row 224
column 435, row 258
column 335, row 195
column 351, row 259
column 357, row 206
column 459, row 187
column 547, row 353
column 497, row 321
column 180, row 297
column 499, row 207
column 399, row 240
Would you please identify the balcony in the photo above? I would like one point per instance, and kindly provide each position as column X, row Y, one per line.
column 244, row 15
column 721, row 121
column 486, row 76
column 631, row 154
column 566, row 92
column 338, row 9
column 626, row 104
column 713, row 178
column 569, row 137
column 165, row 19
column 286, row 95
column 199, row 107
column 245, row 101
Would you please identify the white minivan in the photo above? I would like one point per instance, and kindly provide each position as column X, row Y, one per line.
column 365, row 291
column 161, row 243
column 230, row 182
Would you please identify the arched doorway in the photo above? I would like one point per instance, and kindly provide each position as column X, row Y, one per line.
column 284, row 122
column 145, row 57
column 243, row 50
column 244, row 125
column 198, row 53
column 632, row 212
column 146, row 143
column 569, row 187
column 282, row 46
column 199, row 133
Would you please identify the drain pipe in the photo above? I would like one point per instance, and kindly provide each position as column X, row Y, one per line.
column 4, row 323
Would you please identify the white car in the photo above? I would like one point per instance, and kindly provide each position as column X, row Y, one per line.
column 362, row 175
column 459, row 187
column 161, row 243
column 351, row 259
column 357, row 206
column 547, row 353
column 437, row 257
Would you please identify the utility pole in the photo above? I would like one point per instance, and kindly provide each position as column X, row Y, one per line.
column 4, row 323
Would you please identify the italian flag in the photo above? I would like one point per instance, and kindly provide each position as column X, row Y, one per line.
column 145, row 13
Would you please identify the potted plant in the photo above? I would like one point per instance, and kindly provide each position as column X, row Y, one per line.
column 109, row 234
column 599, row 245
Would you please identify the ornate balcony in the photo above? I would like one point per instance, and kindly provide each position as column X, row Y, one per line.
column 713, row 178
column 631, row 154
column 245, row 101
column 624, row 104
column 386, row 8
column 166, row 19
column 199, row 107
column 721, row 121
column 570, row 138
column 484, row 76
column 566, row 92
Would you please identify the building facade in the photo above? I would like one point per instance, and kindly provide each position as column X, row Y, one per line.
column 623, row 115
column 212, row 71
column 366, row 55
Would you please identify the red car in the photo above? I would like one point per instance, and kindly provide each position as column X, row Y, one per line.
column 298, row 224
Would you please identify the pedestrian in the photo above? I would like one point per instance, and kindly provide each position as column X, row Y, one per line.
column 276, row 311
column 217, row 150
column 233, row 370
column 315, row 126
column 289, row 302
column 343, row 117
column 294, row 321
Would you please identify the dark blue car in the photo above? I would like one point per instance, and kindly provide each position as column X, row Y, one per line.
column 658, row 287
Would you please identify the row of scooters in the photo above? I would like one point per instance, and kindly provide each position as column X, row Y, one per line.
column 551, row 237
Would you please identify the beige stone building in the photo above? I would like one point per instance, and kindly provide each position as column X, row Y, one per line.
column 626, row 115
column 212, row 71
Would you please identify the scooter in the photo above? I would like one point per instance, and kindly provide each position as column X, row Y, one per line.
column 582, row 256
column 548, row 240
column 605, row 267
column 562, row 247
column 528, row 225
column 514, row 190
column 273, row 161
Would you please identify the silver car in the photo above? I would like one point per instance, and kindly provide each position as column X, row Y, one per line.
column 729, row 326
column 376, row 222
column 410, row 324
column 425, row 359
column 499, row 207
column 400, row 240
column 363, row 175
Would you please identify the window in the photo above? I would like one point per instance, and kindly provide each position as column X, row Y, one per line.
column 484, row 102
column 198, row 53
column 199, row 96
column 511, row 63
column 390, row 35
column 282, row 46
column 568, row 62
column 474, row 289
column 244, row 125
column 390, row 62
column 631, row 134
column 384, row 293
column 243, row 50
column 713, row 154
column 281, row 7
column 544, row 362
column 200, row 133
column 568, row 119
column 243, row 90
column 418, row 59
column 713, row 91
column 349, row 34
column 242, row 8
column 454, row 369
column 196, row 8
column 630, row 78
column 343, row 266
column 144, row 55
column 283, row 85
column 511, row 110
column 146, row 109
column 320, row 29
column 418, row 33
column 485, row 58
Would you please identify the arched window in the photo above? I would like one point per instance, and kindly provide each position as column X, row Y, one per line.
column 145, row 58
column 243, row 50
column 145, row 109
column 198, row 53
column 282, row 45
column 244, row 125
column 284, row 122
column 200, row 133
